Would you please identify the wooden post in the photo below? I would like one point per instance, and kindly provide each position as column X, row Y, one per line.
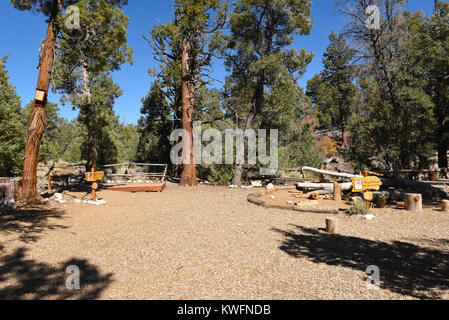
column 413, row 202
column 49, row 183
column 332, row 225
column 337, row 191
column 94, row 196
column 445, row 206
column 366, row 174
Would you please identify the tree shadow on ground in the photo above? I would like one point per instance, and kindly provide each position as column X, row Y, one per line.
column 29, row 222
column 405, row 268
column 24, row 278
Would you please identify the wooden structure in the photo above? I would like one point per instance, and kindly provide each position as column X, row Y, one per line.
column 136, row 177
column 135, row 173
column 141, row 175
column 63, row 174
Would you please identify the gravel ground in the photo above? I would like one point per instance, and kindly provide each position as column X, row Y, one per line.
column 210, row 243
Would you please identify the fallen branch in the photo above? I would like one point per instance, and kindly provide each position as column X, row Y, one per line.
column 330, row 173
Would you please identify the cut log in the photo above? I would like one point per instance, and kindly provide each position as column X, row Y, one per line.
column 325, row 186
column 332, row 225
column 445, row 206
column 413, row 202
column 337, row 191
column 273, row 190
column 317, row 209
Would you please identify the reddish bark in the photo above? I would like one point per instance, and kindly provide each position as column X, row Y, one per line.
column 189, row 177
column 36, row 125
column 344, row 133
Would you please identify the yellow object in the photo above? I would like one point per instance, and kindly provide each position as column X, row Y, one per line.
column 95, row 186
column 368, row 196
column 94, row 176
column 365, row 184
column 40, row 95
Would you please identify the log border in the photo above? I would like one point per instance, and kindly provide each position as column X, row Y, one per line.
column 254, row 199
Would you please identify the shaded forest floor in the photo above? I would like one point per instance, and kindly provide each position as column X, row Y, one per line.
column 210, row 243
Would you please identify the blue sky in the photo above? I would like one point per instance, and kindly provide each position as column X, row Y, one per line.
column 23, row 32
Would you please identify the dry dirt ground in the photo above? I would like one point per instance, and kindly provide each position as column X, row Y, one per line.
column 210, row 243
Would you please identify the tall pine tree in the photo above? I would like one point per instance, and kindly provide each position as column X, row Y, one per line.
column 12, row 138
column 333, row 91
column 36, row 126
column 86, row 56
column 257, row 55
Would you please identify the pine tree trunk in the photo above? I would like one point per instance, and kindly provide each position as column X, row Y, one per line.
column 36, row 125
column 442, row 155
column 258, row 101
column 178, row 125
column 344, row 133
column 92, row 133
column 92, row 150
column 189, row 177
column 240, row 151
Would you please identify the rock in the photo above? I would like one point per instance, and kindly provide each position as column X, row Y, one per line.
column 270, row 186
column 97, row 203
column 369, row 217
column 257, row 184
column 355, row 199
column 273, row 197
column 290, row 202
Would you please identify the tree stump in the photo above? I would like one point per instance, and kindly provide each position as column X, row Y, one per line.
column 445, row 206
column 413, row 202
column 337, row 191
column 381, row 202
column 332, row 225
